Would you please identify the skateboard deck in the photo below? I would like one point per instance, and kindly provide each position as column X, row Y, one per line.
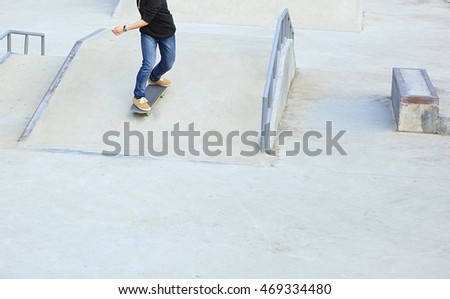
column 152, row 93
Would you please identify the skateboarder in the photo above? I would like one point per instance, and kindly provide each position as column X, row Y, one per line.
column 157, row 29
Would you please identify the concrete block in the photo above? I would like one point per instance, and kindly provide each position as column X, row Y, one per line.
column 444, row 124
column 415, row 102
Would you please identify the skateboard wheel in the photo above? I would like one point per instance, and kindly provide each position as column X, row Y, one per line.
column 163, row 95
column 149, row 113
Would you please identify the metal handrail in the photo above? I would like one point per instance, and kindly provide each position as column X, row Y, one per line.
column 27, row 34
column 284, row 31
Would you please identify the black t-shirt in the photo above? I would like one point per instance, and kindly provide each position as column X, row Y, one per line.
column 159, row 19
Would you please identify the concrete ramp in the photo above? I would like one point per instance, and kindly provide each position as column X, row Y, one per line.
column 23, row 82
column 218, row 83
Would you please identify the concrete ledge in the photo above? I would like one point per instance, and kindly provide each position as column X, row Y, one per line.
column 415, row 102
column 444, row 124
column 284, row 79
column 4, row 57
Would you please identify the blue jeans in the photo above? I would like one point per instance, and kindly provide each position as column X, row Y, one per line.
column 167, row 49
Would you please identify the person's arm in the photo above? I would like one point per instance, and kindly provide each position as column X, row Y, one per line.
column 118, row 30
column 148, row 13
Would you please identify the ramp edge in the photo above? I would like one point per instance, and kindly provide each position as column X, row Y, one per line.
column 54, row 85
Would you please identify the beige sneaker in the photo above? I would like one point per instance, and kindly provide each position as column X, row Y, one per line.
column 141, row 104
column 161, row 82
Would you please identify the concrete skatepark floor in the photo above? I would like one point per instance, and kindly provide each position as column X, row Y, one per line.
column 379, row 212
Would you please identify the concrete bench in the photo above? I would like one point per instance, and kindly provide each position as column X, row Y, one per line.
column 415, row 102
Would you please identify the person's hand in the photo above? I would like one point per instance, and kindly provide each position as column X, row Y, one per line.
column 118, row 30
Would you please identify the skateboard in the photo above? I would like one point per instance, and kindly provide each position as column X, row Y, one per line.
column 152, row 93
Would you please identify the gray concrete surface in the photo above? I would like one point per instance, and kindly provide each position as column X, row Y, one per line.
column 63, row 21
column 379, row 212
column 23, row 82
column 343, row 15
